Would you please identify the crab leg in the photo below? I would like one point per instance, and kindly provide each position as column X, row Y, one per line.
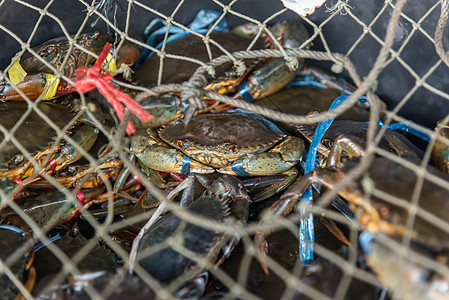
column 346, row 144
column 264, row 187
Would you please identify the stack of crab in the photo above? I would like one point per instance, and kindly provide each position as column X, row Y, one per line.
column 198, row 180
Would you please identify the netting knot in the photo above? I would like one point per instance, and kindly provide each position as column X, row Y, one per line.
column 192, row 91
column 291, row 62
column 341, row 6
column 239, row 66
column 337, row 67
column 210, row 70
column 161, row 54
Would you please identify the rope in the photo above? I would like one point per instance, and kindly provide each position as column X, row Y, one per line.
column 444, row 55
column 192, row 92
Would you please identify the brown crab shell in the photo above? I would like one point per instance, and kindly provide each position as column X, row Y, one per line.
column 193, row 47
column 394, row 184
column 14, row 241
column 219, row 139
column 55, row 50
column 33, row 133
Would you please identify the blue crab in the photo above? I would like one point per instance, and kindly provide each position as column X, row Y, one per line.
column 226, row 196
column 230, row 143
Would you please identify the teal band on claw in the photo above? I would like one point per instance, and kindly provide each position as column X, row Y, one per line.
column 238, row 169
column 185, row 169
column 244, row 93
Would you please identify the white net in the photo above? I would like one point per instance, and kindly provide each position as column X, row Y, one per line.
column 386, row 237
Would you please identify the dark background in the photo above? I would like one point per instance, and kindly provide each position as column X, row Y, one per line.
column 395, row 82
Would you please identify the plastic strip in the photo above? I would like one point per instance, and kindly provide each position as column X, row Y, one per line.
column 404, row 126
column 306, row 228
column 202, row 23
column 50, row 240
column 185, row 168
column 244, row 92
column 238, row 169
column 51, row 86
column 306, row 80
column 365, row 240
column 13, row 228
column 16, row 73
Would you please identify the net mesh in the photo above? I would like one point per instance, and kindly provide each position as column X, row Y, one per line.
column 393, row 29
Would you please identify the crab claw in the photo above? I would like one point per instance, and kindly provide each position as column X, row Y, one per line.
column 277, row 160
column 33, row 86
column 258, row 164
column 165, row 159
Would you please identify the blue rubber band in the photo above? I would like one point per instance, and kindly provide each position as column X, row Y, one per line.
column 405, row 127
column 50, row 240
column 265, row 122
column 202, row 23
column 365, row 239
column 13, row 228
column 308, row 80
column 306, row 228
column 244, row 92
column 185, row 168
column 238, row 169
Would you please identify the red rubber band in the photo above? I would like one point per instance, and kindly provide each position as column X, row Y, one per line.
column 178, row 177
column 136, row 178
column 20, row 183
column 80, row 198
column 53, row 165
column 88, row 79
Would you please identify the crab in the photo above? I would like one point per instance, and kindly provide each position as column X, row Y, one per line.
column 33, row 77
column 224, row 198
column 264, row 76
column 349, row 137
column 230, row 143
column 378, row 214
column 14, row 164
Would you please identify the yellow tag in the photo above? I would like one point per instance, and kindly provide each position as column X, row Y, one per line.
column 110, row 61
column 51, row 86
column 16, row 73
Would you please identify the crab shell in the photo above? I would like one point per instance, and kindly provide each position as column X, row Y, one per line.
column 219, row 139
column 55, row 51
column 12, row 241
column 193, row 47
